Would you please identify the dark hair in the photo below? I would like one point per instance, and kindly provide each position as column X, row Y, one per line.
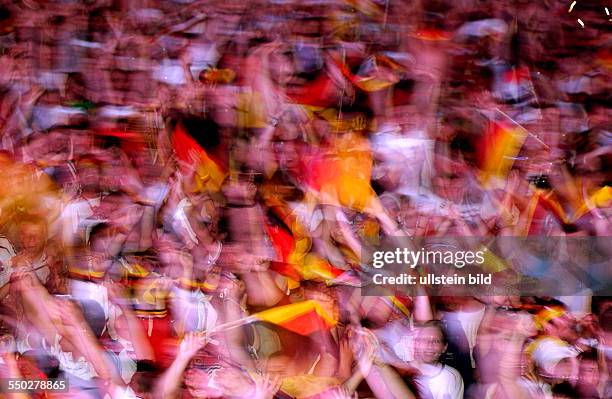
column 605, row 320
column 588, row 356
column 46, row 363
column 143, row 366
column 564, row 390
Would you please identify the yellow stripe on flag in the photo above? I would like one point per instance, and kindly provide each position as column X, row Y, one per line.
column 502, row 145
column 599, row 199
column 283, row 314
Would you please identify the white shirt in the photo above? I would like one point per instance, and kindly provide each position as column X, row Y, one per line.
column 470, row 322
column 442, row 381
column 80, row 367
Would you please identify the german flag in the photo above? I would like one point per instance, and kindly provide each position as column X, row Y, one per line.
column 340, row 174
column 400, row 303
column 375, row 73
column 541, row 203
column 295, row 263
column 498, row 149
column 284, row 245
column 209, row 175
column 599, row 199
column 303, row 318
column 319, row 269
column 317, row 94
column 516, row 85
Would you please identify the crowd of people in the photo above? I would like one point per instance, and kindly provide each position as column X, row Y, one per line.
column 190, row 189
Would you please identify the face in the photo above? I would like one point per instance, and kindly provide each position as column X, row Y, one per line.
column 32, row 237
column 450, row 180
column 287, row 155
column 141, row 384
column 563, row 327
column 209, row 211
column 450, row 185
column 589, row 372
column 429, row 345
column 281, row 68
column 89, row 176
column 174, row 259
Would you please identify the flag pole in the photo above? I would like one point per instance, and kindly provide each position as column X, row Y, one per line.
column 232, row 324
column 536, row 138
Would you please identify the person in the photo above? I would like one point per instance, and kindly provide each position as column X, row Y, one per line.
column 6, row 253
column 185, row 169
column 434, row 380
column 555, row 351
column 33, row 250
column 591, row 381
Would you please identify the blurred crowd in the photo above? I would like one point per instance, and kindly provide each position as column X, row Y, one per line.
column 189, row 187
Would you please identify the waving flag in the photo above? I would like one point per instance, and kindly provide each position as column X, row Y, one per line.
column 599, row 199
column 295, row 263
column 498, row 149
column 209, row 172
column 375, row 73
column 303, row 318
column 513, row 84
column 340, row 173
column 542, row 203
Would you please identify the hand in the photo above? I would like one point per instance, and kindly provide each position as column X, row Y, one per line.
column 192, row 343
column 22, row 279
column 239, row 261
column 8, row 363
column 231, row 287
column 345, row 358
column 21, row 262
column 365, row 346
column 266, row 386
column 67, row 312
